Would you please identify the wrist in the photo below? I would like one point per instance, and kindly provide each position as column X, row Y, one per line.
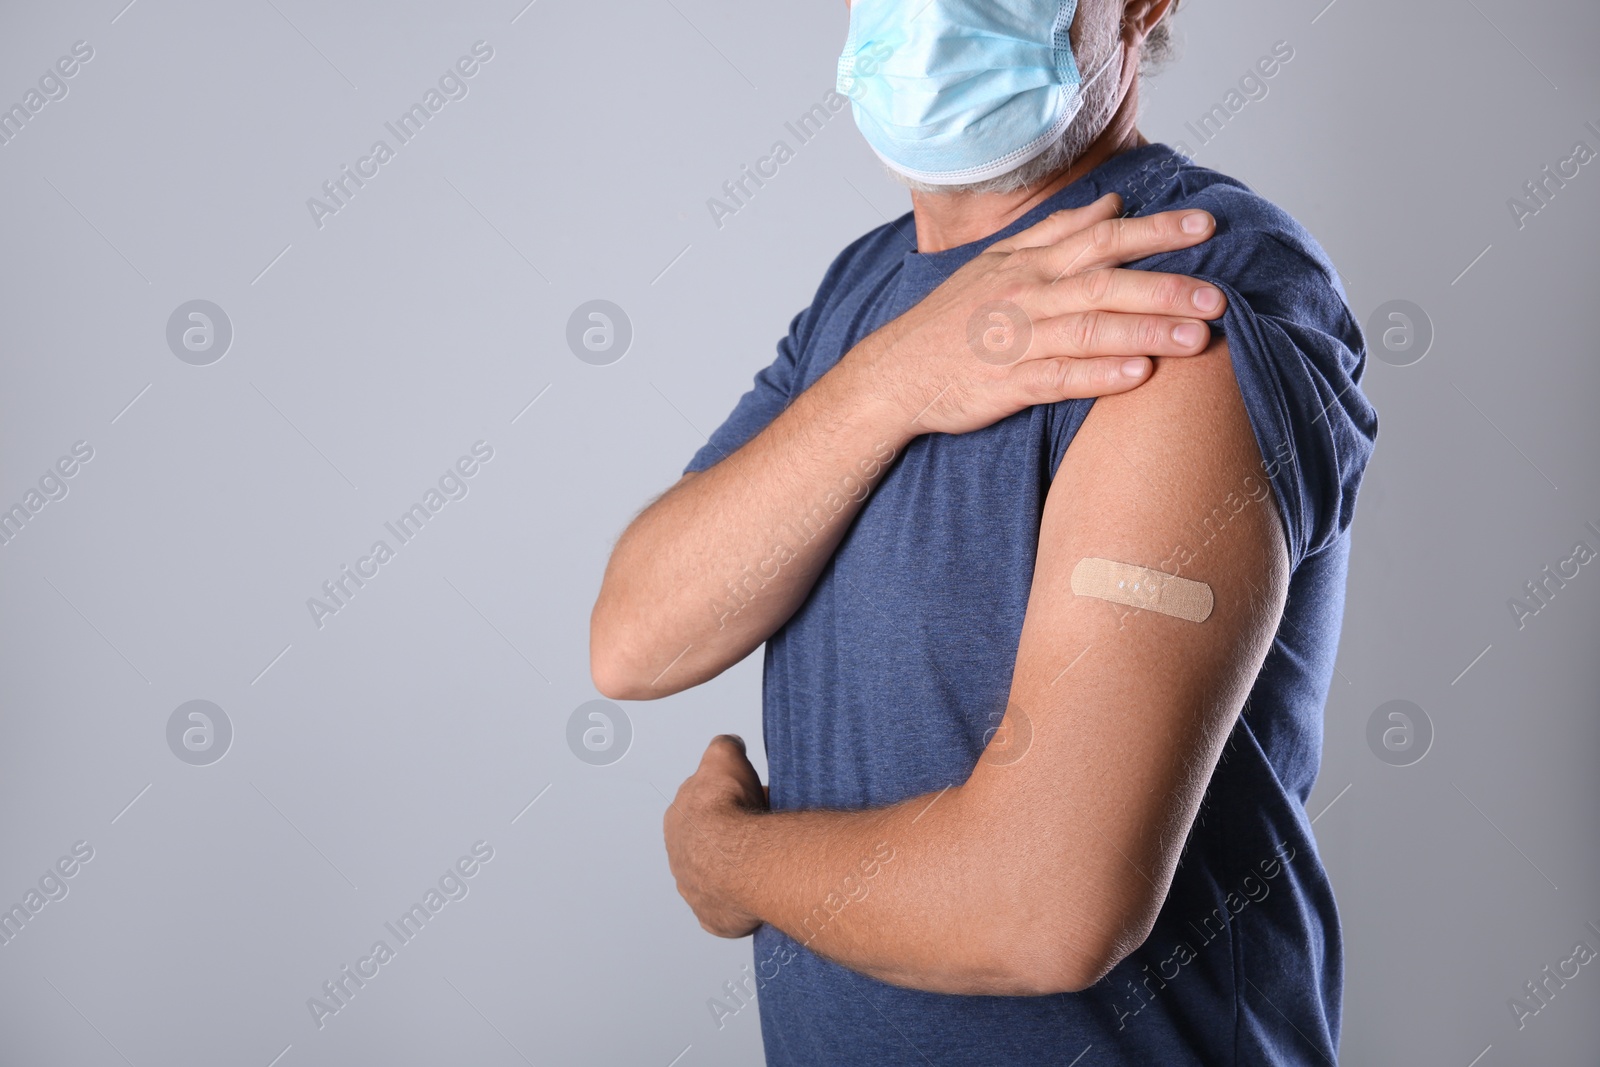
column 861, row 384
column 737, row 834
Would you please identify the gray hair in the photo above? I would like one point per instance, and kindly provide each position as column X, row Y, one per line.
column 1159, row 47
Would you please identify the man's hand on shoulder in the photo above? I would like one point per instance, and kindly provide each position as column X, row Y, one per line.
column 1045, row 315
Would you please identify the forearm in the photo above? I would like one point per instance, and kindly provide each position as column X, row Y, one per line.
column 712, row 568
column 922, row 894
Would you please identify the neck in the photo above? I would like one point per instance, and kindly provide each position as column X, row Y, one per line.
column 946, row 220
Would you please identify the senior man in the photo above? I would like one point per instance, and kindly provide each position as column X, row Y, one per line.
column 1047, row 642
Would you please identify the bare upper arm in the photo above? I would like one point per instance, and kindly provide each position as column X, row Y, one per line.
column 1124, row 712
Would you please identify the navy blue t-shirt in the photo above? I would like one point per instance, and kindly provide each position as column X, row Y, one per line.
column 887, row 681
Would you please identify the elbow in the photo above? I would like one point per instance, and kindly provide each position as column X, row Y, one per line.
column 609, row 665
column 611, row 681
column 1069, row 971
column 614, row 678
column 1066, row 971
column 621, row 671
column 1077, row 975
column 635, row 660
column 1072, row 954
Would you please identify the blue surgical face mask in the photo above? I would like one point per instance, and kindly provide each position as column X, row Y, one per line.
column 950, row 92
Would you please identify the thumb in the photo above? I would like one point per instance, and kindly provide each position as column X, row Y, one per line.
column 1062, row 224
column 725, row 750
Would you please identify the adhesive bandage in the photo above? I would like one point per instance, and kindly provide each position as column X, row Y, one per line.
column 1141, row 587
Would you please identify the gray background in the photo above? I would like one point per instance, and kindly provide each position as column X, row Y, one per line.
column 370, row 353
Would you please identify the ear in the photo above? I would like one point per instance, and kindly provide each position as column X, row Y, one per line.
column 1139, row 17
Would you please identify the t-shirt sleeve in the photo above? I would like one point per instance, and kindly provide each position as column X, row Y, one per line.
column 1299, row 357
column 771, row 392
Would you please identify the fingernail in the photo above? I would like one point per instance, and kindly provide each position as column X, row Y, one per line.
column 1207, row 299
column 1196, row 222
column 1134, row 368
column 1187, row 334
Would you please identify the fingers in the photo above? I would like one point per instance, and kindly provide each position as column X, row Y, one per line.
column 1130, row 292
column 1097, row 334
column 1058, row 226
column 1049, row 381
column 1115, row 312
column 1115, row 241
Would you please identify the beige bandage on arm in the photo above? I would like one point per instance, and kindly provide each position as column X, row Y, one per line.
column 1141, row 587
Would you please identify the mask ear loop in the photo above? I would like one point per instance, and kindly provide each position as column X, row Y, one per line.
column 1084, row 84
column 1096, row 75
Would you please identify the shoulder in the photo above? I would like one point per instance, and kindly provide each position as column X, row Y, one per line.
column 1259, row 249
column 1296, row 348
